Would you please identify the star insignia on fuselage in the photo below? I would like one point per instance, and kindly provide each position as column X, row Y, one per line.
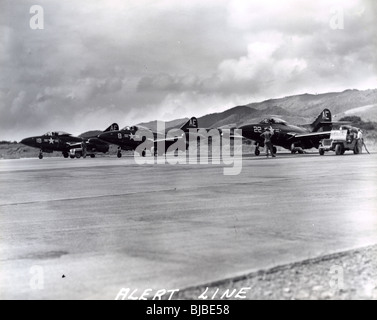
column 51, row 141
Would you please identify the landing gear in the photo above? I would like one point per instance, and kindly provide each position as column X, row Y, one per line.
column 257, row 151
column 155, row 152
column 65, row 154
column 143, row 154
column 92, row 155
column 119, row 153
column 40, row 156
column 295, row 149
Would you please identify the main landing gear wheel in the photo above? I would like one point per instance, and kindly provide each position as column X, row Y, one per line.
column 143, row 154
column 40, row 156
column 257, row 152
column 321, row 152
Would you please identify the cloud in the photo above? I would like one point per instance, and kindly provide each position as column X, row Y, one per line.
column 98, row 62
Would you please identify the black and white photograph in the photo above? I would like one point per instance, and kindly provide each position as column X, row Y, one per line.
column 200, row 150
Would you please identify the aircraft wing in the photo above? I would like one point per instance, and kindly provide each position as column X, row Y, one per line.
column 74, row 144
column 237, row 136
column 301, row 136
column 232, row 135
column 168, row 139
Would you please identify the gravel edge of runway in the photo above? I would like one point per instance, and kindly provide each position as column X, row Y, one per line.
column 310, row 279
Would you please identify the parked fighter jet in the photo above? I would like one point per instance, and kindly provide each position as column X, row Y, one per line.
column 69, row 145
column 128, row 138
column 290, row 137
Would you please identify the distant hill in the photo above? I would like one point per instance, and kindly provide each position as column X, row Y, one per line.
column 299, row 109
column 168, row 125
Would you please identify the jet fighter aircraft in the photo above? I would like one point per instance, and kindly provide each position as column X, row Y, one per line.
column 288, row 136
column 128, row 138
column 69, row 145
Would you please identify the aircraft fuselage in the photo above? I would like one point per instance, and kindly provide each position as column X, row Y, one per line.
column 282, row 135
column 50, row 143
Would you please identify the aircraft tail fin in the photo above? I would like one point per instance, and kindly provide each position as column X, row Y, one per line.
column 191, row 124
column 113, row 127
column 324, row 120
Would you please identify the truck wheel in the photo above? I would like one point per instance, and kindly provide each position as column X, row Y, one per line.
column 72, row 156
column 78, row 156
column 65, row 154
column 321, row 152
column 92, row 155
column 338, row 149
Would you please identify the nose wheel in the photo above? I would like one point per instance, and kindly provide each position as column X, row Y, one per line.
column 257, row 151
column 119, row 153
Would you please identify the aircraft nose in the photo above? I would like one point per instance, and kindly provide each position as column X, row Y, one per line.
column 27, row 141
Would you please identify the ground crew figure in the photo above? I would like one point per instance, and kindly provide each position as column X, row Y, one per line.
column 359, row 140
column 267, row 134
column 349, row 136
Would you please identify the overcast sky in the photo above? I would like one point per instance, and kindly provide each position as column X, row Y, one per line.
column 98, row 62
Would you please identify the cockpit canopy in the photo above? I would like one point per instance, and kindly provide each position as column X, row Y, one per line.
column 131, row 128
column 273, row 120
column 56, row 133
column 135, row 128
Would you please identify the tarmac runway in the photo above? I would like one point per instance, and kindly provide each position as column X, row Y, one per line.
column 88, row 227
